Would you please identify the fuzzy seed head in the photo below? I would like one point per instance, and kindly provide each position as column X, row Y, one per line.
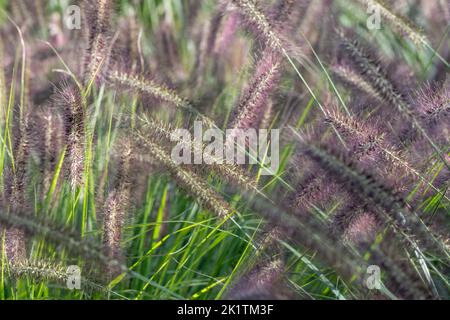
column 187, row 179
column 256, row 97
column 256, row 19
column 73, row 105
column 361, row 229
column 433, row 104
column 400, row 24
column 149, row 87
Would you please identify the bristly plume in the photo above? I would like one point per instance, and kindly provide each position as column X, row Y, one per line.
column 39, row 271
column 166, row 49
column 400, row 24
column 257, row 20
column 116, row 206
column 315, row 10
column 314, row 191
column 230, row 172
column 367, row 140
column 352, row 177
column 129, row 42
column 59, row 235
column 15, row 244
column 433, row 104
column 251, row 107
column 375, row 75
column 262, row 282
column 393, row 208
column 150, row 89
column 226, row 35
column 16, row 189
column 187, row 179
column 49, row 271
column 98, row 54
column 147, row 87
column 364, row 138
column 113, row 220
column 385, row 88
column 347, row 74
column 50, row 132
column 268, row 115
column 73, row 106
column 357, row 224
column 16, row 198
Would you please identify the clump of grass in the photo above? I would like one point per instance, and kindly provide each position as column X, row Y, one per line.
column 364, row 187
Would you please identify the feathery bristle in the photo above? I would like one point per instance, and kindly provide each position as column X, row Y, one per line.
column 315, row 191
column 367, row 140
column 375, row 75
column 251, row 106
column 400, row 24
column 395, row 212
column 98, row 54
column 59, row 235
column 361, row 229
column 148, row 87
column 115, row 208
column 113, row 221
column 350, row 76
column 39, row 271
column 433, row 103
column 350, row 176
column 226, row 35
column 50, row 144
column 188, row 179
column 47, row 271
column 260, row 281
column 230, row 172
column 15, row 243
column 267, row 118
column 15, row 239
column 72, row 103
column 256, row 19
column 21, row 157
